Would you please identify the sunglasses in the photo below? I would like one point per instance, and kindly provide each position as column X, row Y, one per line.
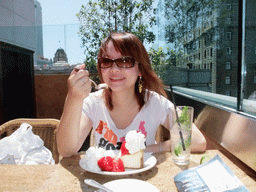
column 123, row 62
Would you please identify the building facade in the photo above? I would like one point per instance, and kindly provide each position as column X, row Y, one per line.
column 17, row 23
column 60, row 55
column 212, row 43
column 39, row 55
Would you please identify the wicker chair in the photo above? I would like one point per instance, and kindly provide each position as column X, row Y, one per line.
column 44, row 128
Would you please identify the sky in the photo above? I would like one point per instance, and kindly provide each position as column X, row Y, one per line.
column 59, row 21
column 55, row 15
column 60, row 11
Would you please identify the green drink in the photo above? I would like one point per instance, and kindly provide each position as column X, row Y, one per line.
column 181, row 135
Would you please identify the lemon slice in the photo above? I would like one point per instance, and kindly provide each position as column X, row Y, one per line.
column 204, row 159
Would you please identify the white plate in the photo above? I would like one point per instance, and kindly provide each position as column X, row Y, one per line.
column 149, row 163
column 128, row 185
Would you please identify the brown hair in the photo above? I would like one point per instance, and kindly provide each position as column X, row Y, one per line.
column 129, row 45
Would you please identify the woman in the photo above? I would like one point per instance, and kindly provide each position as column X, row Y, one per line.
column 134, row 100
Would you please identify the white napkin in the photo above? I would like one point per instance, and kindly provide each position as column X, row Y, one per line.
column 26, row 147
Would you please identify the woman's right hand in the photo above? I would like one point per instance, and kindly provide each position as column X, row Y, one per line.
column 79, row 84
column 74, row 125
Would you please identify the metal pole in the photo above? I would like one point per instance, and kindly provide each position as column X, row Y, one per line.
column 241, row 72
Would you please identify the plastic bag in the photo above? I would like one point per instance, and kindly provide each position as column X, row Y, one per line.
column 25, row 147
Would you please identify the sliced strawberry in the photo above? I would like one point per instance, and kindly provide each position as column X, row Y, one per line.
column 118, row 165
column 124, row 150
column 106, row 163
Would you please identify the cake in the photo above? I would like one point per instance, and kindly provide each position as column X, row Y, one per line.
column 130, row 155
column 98, row 159
column 132, row 150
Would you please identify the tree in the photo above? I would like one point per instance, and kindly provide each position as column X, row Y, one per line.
column 163, row 63
column 157, row 58
column 100, row 17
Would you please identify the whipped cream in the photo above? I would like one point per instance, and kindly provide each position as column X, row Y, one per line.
column 135, row 141
column 93, row 154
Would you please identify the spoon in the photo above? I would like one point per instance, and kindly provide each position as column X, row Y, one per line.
column 97, row 87
column 95, row 184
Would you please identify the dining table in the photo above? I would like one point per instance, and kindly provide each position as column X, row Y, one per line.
column 67, row 175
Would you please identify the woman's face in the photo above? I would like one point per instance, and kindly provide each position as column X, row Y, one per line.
column 119, row 79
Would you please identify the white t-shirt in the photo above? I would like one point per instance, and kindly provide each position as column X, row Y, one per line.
column 108, row 136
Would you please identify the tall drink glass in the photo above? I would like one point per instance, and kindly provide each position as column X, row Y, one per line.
column 181, row 135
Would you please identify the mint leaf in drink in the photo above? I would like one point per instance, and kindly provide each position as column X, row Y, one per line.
column 188, row 142
column 184, row 118
column 177, row 150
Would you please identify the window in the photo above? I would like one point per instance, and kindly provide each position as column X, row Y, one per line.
column 229, row 7
column 228, row 35
column 217, row 35
column 228, row 93
column 219, row 48
column 228, row 65
column 229, row 20
column 228, row 80
column 210, row 38
column 228, row 50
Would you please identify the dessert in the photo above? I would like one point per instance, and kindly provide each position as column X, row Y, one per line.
column 130, row 155
column 111, row 164
column 93, row 154
column 132, row 150
column 99, row 159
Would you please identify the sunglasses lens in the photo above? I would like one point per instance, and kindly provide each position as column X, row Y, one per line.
column 105, row 63
column 125, row 62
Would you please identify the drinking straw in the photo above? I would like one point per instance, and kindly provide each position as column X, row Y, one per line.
column 178, row 121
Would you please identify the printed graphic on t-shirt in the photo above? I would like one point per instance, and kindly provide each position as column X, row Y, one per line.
column 109, row 139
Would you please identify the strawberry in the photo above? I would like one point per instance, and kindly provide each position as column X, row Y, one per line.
column 124, row 150
column 118, row 165
column 106, row 163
